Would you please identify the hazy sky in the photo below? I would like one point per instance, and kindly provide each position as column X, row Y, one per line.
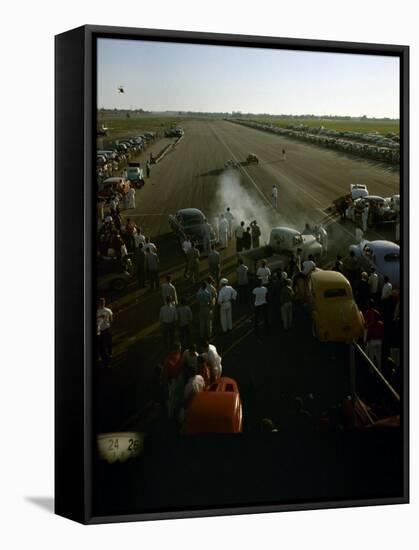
column 186, row 77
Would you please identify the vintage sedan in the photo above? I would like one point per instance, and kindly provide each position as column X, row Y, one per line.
column 113, row 273
column 384, row 256
column 380, row 210
column 192, row 222
column 358, row 190
column 217, row 409
column 334, row 312
column 113, row 185
column 252, row 159
column 135, row 174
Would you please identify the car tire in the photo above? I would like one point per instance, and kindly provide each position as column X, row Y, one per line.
column 118, row 284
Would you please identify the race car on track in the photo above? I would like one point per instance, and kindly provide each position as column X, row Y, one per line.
column 252, row 159
column 231, row 164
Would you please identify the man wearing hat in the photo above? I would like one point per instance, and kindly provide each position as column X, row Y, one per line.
column 226, row 295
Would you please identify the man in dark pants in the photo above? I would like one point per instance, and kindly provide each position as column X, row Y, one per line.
column 140, row 257
column 242, row 283
column 152, row 265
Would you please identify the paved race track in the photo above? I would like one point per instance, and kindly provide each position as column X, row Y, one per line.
column 309, row 179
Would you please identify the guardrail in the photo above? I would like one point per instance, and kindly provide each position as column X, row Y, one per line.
column 379, row 374
column 168, row 148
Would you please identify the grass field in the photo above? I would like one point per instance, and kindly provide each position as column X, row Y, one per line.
column 341, row 125
column 119, row 125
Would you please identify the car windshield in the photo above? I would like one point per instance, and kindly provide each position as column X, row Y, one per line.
column 334, row 292
column 192, row 220
column 393, row 257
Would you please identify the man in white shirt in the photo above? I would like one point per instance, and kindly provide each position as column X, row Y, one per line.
column 168, row 318
column 373, row 283
column 138, row 237
column 226, row 295
column 323, row 238
column 186, row 246
column 150, row 245
column 387, row 289
column 223, row 230
column 213, row 360
column 261, row 305
column 308, row 266
column 229, row 217
column 168, row 289
column 274, row 196
column 104, row 318
column 263, row 273
column 194, row 385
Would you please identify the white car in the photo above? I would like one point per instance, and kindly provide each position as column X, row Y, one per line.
column 358, row 190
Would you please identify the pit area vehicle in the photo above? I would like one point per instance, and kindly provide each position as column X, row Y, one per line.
column 113, row 185
column 384, row 256
column 113, row 273
column 283, row 242
column 192, row 222
column 358, row 191
column 217, row 409
column 108, row 153
column 334, row 312
column 148, row 136
column 135, row 174
column 252, row 159
column 380, row 210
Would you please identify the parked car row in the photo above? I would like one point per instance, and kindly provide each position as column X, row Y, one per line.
column 110, row 160
column 379, row 148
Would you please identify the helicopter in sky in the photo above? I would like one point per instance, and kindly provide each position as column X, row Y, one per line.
column 121, row 90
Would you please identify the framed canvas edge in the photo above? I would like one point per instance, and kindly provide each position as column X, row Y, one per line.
column 92, row 32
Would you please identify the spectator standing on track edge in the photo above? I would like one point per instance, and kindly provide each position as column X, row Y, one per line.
column 239, row 237
column 226, row 296
column 229, row 217
column 104, row 317
column 255, row 231
column 274, row 197
column 214, row 264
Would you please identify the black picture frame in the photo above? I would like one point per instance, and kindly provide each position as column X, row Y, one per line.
column 75, row 465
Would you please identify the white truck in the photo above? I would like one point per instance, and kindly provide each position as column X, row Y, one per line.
column 283, row 242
